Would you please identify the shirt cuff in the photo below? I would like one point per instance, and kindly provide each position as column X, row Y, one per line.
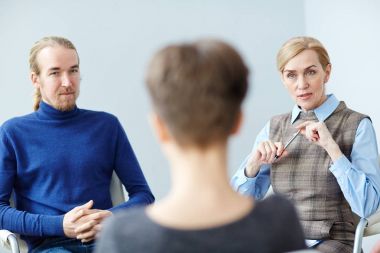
column 52, row 225
column 340, row 167
column 241, row 178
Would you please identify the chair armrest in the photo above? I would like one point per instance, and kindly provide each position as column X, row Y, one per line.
column 373, row 226
column 9, row 240
column 4, row 237
column 374, row 218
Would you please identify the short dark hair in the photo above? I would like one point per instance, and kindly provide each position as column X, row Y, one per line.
column 197, row 89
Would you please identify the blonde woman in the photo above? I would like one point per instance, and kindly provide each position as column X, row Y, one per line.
column 331, row 167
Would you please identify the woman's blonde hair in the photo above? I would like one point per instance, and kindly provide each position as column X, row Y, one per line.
column 49, row 41
column 297, row 45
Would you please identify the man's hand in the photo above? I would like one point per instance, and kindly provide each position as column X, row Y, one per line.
column 83, row 223
column 70, row 218
column 90, row 224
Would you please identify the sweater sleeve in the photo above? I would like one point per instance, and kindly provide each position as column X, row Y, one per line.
column 17, row 221
column 130, row 173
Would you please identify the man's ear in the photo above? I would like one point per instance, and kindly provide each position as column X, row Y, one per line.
column 35, row 80
column 238, row 122
column 159, row 128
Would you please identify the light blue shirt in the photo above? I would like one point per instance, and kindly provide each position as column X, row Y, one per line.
column 359, row 179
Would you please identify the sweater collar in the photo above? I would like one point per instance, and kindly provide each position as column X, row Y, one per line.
column 46, row 111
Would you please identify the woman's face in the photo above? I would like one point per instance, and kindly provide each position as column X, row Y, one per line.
column 305, row 80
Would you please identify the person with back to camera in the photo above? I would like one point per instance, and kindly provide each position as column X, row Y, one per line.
column 197, row 90
column 330, row 170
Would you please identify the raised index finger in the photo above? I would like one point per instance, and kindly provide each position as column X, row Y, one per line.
column 303, row 125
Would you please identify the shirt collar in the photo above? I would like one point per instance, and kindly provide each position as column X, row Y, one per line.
column 322, row 112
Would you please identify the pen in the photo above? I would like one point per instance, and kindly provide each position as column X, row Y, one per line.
column 288, row 143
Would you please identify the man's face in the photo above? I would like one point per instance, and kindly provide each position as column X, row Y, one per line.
column 59, row 77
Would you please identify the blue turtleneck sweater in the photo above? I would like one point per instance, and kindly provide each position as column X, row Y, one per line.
column 55, row 161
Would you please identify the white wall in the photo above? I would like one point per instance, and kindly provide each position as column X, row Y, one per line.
column 115, row 40
column 350, row 29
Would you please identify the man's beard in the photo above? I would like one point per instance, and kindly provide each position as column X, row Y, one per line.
column 65, row 107
column 67, row 104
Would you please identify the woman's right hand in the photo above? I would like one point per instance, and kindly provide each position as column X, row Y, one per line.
column 264, row 154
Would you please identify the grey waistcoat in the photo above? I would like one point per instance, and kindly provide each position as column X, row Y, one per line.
column 304, row 175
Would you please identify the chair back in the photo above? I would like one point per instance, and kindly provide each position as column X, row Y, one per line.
column 117, row 190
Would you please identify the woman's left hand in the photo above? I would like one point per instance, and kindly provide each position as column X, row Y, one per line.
column 318, row 133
